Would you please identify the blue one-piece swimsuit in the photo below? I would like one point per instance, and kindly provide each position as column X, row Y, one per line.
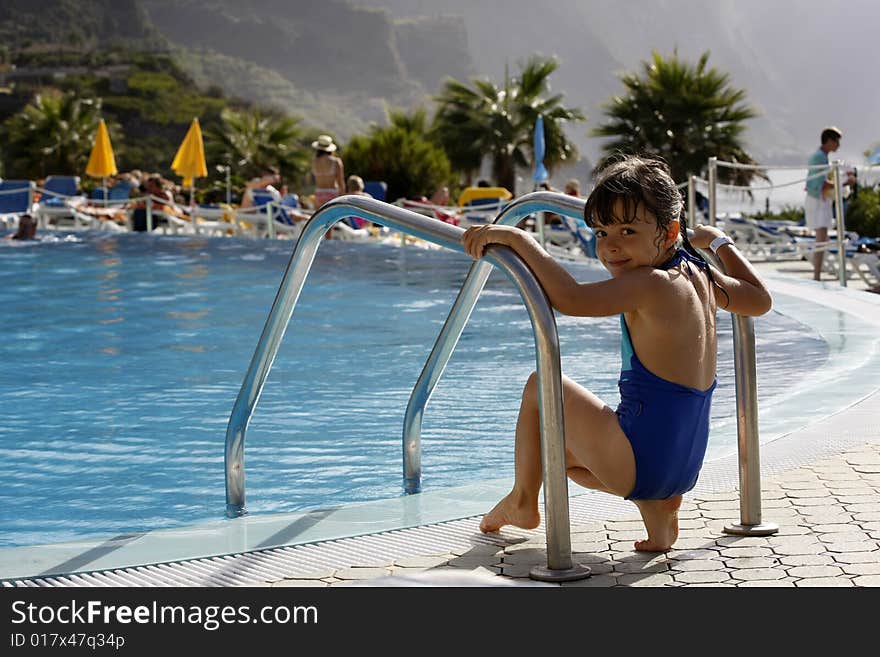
column 666, row 423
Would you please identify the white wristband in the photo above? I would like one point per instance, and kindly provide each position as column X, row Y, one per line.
column 718, row 242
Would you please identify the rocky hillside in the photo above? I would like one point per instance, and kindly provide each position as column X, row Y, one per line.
column 804, row 63
column 329, row 48
column 76, row 23
column 334, row 64
column 338, row 62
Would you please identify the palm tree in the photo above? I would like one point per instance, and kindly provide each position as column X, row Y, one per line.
column 252, row 142
column 682, row 113
column 53, row 134
column 498, row 121
column 415, row 121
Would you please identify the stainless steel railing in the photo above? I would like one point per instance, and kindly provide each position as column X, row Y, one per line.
column 455, row 323
column 559, row 563
column 747, row 435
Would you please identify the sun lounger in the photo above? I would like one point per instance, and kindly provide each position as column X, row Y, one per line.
column 583, row 236
column 378, row 189
column 58, row 196
column 61, row 186
column 16, row 199
column 482, row 204
column 831, row 261
column 94, row 217
column 867, row 265
column 763, row 241
column 449, row 214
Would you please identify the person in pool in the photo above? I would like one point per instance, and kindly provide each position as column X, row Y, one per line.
column 27, row 228
column 650, row 450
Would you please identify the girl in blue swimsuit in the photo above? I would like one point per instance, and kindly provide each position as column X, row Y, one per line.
column 650, row 449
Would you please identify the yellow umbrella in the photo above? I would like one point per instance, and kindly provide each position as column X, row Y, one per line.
column 101, row 161
column 190, row 159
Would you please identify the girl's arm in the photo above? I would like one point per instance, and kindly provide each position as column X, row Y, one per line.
column 746, row 292
column 624, row 293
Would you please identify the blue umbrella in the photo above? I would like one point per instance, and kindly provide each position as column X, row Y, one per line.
column 540, row 174
column 874, row 157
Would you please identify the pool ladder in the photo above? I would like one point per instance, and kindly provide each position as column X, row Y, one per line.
column 560, row 566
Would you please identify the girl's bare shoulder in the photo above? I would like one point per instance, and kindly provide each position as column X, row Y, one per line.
column 672, row 290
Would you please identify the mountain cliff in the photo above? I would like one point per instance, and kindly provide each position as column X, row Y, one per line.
column 334, row 64
column 804, row 63
column 72, row 22
column 338, row 63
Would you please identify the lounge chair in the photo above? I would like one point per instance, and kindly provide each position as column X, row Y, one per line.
column 342, row 231
column 482, row 204
column 285, row 221
column 378, row 189
column 583, row 235
column 831, row 261
column 764, row 241
column 57, row 189
column 449, row 214
column 58, row 196
column 100, row 217
column 16, row 199
column 121, row 191
column 867, row 265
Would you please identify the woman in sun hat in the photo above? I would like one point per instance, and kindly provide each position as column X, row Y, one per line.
column 327, row 170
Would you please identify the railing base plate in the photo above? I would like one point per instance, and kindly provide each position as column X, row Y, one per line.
column 235, row 511
column 545, row 574
column 762, row 529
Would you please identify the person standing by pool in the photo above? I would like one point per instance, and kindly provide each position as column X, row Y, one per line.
column 327, row 170
column 650, row 450
column 818, row 213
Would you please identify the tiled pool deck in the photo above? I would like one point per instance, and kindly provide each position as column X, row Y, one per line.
column 820, row 485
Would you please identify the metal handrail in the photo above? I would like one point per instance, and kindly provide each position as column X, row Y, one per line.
column 559, row 562
column 840, row 211
column 454, row 326
column 713, row 181
column 747, row 435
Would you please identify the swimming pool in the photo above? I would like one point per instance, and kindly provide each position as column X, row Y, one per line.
column 123, row 355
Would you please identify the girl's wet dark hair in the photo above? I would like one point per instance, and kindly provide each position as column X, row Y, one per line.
column 634, row 181
column 640, row 181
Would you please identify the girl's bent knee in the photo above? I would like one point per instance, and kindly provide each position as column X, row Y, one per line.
column 530, row 391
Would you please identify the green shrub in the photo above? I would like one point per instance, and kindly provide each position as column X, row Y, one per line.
column 787, row 213
column 410, row 164
column 863, row 212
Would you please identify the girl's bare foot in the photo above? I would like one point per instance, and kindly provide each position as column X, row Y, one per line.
column 512, row 510
column 661, row 521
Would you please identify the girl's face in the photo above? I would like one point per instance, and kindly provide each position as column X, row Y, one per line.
column 634, row 242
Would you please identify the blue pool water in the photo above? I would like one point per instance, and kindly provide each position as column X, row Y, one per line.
column 123, row 354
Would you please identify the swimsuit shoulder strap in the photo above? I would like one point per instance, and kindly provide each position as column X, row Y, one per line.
column 626, row 347
column 678, row 256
